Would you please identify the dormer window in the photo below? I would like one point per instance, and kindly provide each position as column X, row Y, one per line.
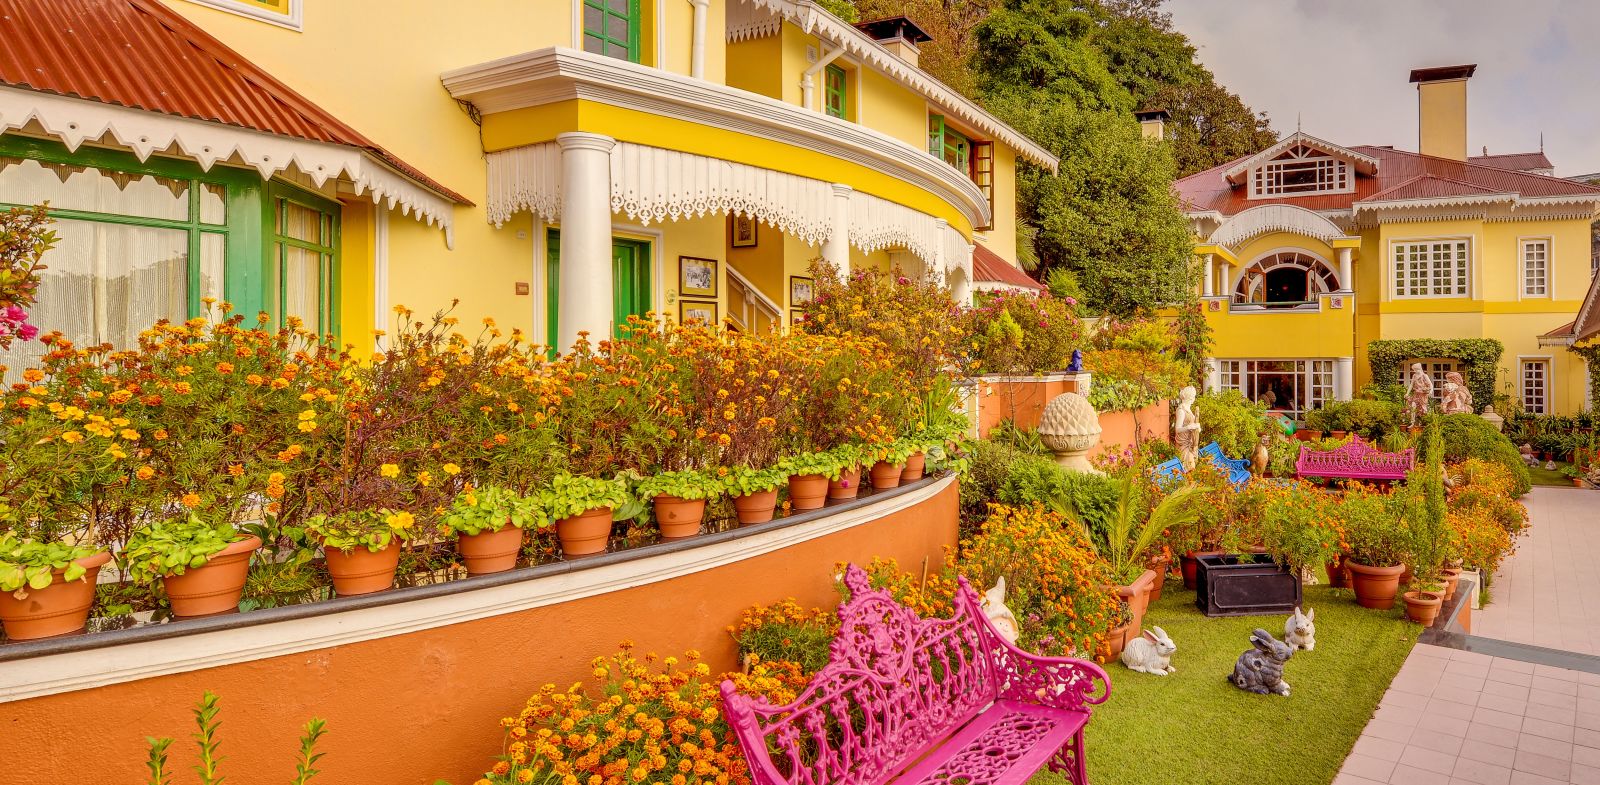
column 1300, row 170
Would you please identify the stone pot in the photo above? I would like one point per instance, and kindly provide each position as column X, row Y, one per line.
column 213, row 587
column 915, row 464
column 886, row 475
column 1422, row 607
column 679, row 518
column 1117, row 640
column 758, row 507
column 1375, row 587
column 362, row 571
column 808, row 491
column 490, row 551
column 57, row 609
column 1137, row 595
column 848, row 484
column 585, row 534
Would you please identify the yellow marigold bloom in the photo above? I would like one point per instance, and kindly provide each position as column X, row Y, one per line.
column 424, row 479
column 452, row 469
column 129, row 434
column 160, row 434
column 308, row 426
column 276, row 478
column 235, row 470
column 72, row 437
column 389, row 470
column 400, row 521
column 145, row 473
column 184, row 370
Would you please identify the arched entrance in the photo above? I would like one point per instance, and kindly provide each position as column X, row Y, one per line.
column 1286, row 279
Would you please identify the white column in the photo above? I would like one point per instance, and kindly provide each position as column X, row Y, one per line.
column 1209, row 281
column 1227, row 279
column 1344, row 378
column 836, row 248
column 697, row 56
column 1345, row 282
column 1213, row 375
column 586, row 285
column 382, row 319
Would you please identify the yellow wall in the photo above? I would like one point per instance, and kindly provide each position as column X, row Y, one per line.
column 1002, row 237
column 1442, row 114
column 890, row 108
column 1301, row 334
column 355, row 275
column 756, row 66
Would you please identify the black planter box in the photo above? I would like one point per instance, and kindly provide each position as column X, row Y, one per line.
column 1248, row 585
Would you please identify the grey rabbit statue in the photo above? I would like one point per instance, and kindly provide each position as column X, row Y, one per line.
column 1150, row 653
column 1260, row 670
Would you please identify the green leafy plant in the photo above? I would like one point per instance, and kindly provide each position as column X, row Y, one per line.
column 210, row 748
column 1233, row 421
column 570, row 495
column 492, row 507
column 31, row 564
column 1479, row 356
column 1375, row 528
column 1470, row 436
column 830, row 463
column 689, row 485
column 741, row 481
column 370, row 529
column 174, row 545
column 1136, row 523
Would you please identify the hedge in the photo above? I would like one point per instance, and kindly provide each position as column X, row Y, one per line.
column 1480, row 356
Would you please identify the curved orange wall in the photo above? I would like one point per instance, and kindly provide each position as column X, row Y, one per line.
column 414, row 708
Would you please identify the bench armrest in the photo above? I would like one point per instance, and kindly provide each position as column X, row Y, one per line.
column 1057, row 682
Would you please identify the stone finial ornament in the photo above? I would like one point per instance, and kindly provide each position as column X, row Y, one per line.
column 1186, row 429
column 1493, row 418
column 1070, row 428
column 1260, row 670
column 1457, row 399
column 1419, row 388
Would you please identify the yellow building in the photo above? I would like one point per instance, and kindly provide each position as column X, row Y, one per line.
column 1313, row 250
column 556, row 164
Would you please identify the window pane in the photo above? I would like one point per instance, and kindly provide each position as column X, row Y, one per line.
column 73, row 187
column 618, row 7
column 212, row 255
column 593, row 18
column 213, row 203
column 594, row 45
column 301, row 223
column 617, row 51
column 617, row 28
column 302, row 284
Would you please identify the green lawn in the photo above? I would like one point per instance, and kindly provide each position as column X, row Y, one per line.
column 1194, row 728
column 1542, row 477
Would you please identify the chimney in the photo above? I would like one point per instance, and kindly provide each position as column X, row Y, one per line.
column 1153, row 123
column 897, row 34
column 1442, row 110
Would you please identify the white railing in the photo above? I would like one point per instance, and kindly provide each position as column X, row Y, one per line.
column 748, row 307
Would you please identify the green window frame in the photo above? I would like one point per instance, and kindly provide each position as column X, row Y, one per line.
column 949, row 145
column 631, row 266
column 611, row 28
column 835, row 91
column 285, row 251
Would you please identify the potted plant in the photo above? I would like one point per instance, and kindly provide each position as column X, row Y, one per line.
column 754, row 493
column 846, row 484
column 889, row 463
column 1423, row 603
column 1380, row 543
column 583, row 508
column 1298, row 529
column 1141, row 515
column 1573, row 474
column 680, row 500
column 809, row 477
column 362, row 547
column 202, row 566
column 46, row 588
column 489, row 523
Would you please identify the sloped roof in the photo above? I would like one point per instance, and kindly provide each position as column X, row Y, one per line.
column 989, row 267
column 1210, row 190
column 1516, row 162
column 1587, row 325
column 142, row 55
column 1237, row 168
column 1427, row 186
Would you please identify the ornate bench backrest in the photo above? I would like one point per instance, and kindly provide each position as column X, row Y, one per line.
column 895, row 685
column 1356, row 459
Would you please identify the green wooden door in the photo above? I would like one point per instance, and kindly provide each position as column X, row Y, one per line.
column 630, row 281
column 552, row 292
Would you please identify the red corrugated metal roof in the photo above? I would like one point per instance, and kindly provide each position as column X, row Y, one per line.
column 988, row 267
column 143, row 55
column 1516, row 162
column 1426, row 186
column 1210, row 190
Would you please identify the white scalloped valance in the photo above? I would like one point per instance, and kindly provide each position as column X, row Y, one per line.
column 525, row 178
column 652, row 184
column 957, row 252
column 879, row 223
column 1258, row 221
column 748, row 21
column 75, row 121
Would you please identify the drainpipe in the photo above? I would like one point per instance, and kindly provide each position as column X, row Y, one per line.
column 808, row 81
column 697, row 57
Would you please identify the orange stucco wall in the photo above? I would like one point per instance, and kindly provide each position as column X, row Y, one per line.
column 1117, row 429
column 1021, row 402
column 414, row 708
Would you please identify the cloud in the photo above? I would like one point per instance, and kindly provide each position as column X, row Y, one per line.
column 1341, row 67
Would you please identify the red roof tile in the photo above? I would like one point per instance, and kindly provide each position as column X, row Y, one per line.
column 1427, row 186
column 1516, row 162
column 1210, row 190
column 143, row 55
column 989, row 267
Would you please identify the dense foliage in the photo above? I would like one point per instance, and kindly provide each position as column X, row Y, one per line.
column 1470, row 436
column 1480, row 358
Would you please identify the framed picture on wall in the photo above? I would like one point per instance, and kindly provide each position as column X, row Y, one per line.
column 697, row 277
column 744, row 231
column 796, row 317
column 696, row 310
column 800, row 290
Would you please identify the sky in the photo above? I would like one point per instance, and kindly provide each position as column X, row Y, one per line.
column 1341, row 68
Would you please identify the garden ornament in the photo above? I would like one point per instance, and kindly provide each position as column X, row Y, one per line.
column 1457, row 399
column 1186, row 429
column 994, row 606
column 1260, row 670
column 1076, row 366
column 1527, row 454
column 1549, row 465
column 1419, row 388
column 1070, row 428
column 1150, row 653
column 1261, row 456
column 1300, row 631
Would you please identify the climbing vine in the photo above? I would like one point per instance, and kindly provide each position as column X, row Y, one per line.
column 1590, row 352
column 1479, row 357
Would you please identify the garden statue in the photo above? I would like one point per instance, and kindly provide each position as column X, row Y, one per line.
column 1076, row 366
column 1186, row 429
column 1527, row 454
column 1070, row 428
column 1260, row 670
column 1150, row 653
column 994, row 606
column 1261, row 456
column 1419, row 388
column 1299, row 631
column 1269, row 398
column 1457, row 399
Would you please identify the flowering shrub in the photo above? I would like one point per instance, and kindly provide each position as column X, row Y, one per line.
column 23, row 242
column 786, row 632
column 1298, row 526
column 914, row 318
column 1376, row 527
column 1137, row 364
column 1015, row 333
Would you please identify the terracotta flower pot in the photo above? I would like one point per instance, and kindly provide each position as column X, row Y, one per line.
column 1338, row 576
column 362, row 571
column 57, row 609
column 756, row 507
column 808, row 491
column 1310, row 436
column 1159, row 567
column 217, row 585
column 1422, row 607
column 585, row 534
column 1189, row 564
column 679, row 518
column 1375, row 587
column 886, row 475
column 1450, row 576
column 490, row 551
column 1577, row 482
column 1117, row 640
column 847, row 486
column 1338, row 434
column 916, row 463
column 1137, row 594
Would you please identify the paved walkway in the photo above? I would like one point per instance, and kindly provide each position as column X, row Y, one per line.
column 1548, row 592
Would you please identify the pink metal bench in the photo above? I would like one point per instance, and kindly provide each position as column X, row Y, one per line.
column 906, row 700
column 1355, row 461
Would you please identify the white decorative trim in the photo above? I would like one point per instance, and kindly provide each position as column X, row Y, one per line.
column 747, row 22
column 75, row 121
column 80, row 670
column 557, row 74
column 524, row 178
column 380, row 276
column 1364, row 164
column 876, row 224
column 1267, row 218
column 651, row 184
column 291, row 20
column 1434, row 201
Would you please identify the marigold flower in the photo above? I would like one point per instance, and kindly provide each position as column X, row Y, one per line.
column 389, row 470
column 145, row 473
column 452, row 469
column 190, row 500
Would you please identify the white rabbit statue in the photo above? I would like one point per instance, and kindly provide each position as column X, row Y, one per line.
column 1299, row 631
column 1150, row 653
column 994, row 606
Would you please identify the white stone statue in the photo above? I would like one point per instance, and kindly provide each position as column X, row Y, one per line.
column 1419, row 388
column 1186, row 429
column 1457, row 399
column 1070, row 428
column 994, row 606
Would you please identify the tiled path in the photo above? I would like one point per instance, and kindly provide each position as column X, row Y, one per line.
column 1548, row 592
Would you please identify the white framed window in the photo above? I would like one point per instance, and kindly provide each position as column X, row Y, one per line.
column 1536, row 385
column 1433, row 268
column 1291, row 386
column 1300, row 170
column 283, row 13
column 1436, row 369
column 1536, row 268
